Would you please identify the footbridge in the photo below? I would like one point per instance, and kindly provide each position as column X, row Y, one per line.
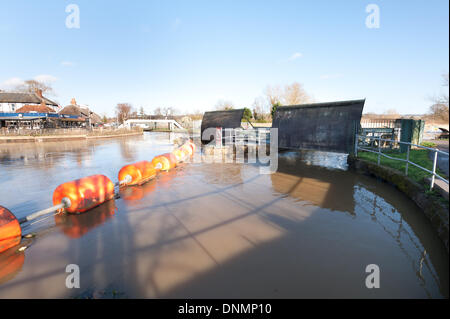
column 153, row 124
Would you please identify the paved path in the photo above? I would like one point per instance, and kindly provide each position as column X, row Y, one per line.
column 442, row 160
column 442, row 163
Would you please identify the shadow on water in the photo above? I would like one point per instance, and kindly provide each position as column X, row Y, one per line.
column 251, row 274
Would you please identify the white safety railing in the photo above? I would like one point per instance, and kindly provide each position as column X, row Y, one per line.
column 252, row 136
column 379, row 140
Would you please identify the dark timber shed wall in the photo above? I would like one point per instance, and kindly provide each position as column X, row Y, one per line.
column 319, row 126
column 223, row 119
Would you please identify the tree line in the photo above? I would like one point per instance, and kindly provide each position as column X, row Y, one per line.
column 262, row 108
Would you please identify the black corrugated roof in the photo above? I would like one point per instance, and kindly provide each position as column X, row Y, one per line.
column 223, row 119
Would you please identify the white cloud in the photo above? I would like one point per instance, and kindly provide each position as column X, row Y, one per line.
column 11, row 83
column 67, row 63
column 330, row 76
column 45, row 78
column 295, row 56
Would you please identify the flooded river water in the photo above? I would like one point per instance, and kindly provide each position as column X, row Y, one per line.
column 214, row 230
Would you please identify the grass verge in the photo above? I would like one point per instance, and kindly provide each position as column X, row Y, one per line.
column 419, row 157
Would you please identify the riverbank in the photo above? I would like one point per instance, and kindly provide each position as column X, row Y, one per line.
column 66, row 137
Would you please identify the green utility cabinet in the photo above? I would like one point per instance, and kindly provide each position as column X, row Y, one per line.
column 411, row 132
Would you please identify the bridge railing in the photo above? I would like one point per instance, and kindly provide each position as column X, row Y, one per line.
column 361, row 144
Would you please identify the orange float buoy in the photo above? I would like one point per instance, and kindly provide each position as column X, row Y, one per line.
column 192, row 145
column 137, row 173
column 180, row 154
column 187, row 148
column 165, row 162
column 85, row 193
column 10, row 231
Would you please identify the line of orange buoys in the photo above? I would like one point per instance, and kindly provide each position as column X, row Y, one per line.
column 86, row 193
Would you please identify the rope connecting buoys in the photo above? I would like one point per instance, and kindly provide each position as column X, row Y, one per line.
column 84, row 193
column 10, row 231
column 137, row 173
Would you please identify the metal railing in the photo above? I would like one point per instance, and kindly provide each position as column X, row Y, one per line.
column 380, row 123
column 252, row 136
column 378, row 139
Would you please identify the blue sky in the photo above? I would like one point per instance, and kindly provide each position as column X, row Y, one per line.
column 190, row 54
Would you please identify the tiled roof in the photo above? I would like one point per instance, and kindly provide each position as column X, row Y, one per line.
column 32, row 98
column 35, row 108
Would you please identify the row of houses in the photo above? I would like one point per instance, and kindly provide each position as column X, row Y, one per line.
column 34, row 111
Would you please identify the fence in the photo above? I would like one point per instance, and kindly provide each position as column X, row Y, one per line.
column 378, row 141
column 251, row 136
column 380, row 123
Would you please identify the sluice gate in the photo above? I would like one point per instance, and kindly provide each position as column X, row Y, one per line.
column 319, row 126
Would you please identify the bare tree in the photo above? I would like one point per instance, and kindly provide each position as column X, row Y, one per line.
column 223, row 105
column 196, row 115
column 274, row 95
column 391, row 112
column 258, row 109
column 30, row 86
column 440, row 109
column 158, row 111
column 123, row 111
column 294, row 94
column 166, row 111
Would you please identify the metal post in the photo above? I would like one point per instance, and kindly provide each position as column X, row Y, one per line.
column 407, row 159
column 434, row 169
column 379, row 149
column 356, row 144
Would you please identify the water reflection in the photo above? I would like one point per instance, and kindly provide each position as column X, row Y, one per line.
column 45, row 155
column 317, row 185
column 408, row 233
column 11, row 262
column 134, row 193
column 355, row 195
column 77, row 225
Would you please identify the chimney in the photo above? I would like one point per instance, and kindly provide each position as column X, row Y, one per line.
column 39, row 92
column 73, row 101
